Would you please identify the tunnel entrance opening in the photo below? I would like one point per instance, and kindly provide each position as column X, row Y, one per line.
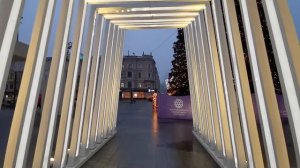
column 81, row 99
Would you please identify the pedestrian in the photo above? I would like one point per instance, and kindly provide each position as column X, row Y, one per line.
column 39, row 105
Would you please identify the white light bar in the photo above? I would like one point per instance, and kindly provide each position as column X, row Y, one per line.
column 187, row 8
column 154, row 25
column 182, row 14
column 146, row 1
column 154, row 20
column 173, row 8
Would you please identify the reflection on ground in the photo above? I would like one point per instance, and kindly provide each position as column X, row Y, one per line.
column 144, row 141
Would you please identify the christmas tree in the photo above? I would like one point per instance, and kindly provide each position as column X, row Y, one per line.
column 178, row 77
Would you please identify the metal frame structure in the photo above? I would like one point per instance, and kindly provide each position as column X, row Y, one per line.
column 223, row 113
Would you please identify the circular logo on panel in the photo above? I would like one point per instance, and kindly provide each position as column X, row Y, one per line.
column 178, row 103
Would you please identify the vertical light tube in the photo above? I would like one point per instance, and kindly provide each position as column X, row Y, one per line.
column 107, row 90
column 215, row 43
column 119, row 77
column 100, row 85
column 69, row 92
column 85, row 85
column 82, row 88
column 105, row 70
column 92, row 97
column 195, row 111
column 204, row 104
column 193, row 77
column 213, row 49
column 199, row 76
column 285, row 44
column 273, row 135
column 8, row 39
column 196, row 82
column 211, row 82
column 203, row 49
column 54, row 86
column 230, row 99
column 22, row 124
column 115, row 80
column 247, row 115
column 116, row 86
column 110, row 88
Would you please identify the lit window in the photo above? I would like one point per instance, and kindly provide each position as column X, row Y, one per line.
column 139, row 85
column 122, row 85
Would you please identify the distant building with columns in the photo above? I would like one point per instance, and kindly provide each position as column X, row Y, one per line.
column 139, row 77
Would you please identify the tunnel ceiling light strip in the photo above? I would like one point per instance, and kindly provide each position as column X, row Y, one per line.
column 181, row 14
column 176, row 8
column 146, row 27
column 191, row 8
column 154, row 20
column 145, row 1
column 155, row 25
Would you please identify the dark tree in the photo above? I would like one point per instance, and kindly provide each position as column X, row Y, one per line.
column 178, row 77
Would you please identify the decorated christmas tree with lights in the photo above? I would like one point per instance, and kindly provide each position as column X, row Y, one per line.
column 178, row 77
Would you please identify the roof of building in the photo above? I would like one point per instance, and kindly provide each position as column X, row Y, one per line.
column 137, row 56
column 20, row 51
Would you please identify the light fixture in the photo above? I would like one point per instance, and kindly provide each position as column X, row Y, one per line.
column 190, row 19
column 153, row 26
column 174, row 14
column 172, row 8
column 152, row 23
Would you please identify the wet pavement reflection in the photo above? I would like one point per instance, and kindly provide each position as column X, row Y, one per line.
column 144, row 141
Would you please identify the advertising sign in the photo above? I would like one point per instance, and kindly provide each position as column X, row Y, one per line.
column 176, row 107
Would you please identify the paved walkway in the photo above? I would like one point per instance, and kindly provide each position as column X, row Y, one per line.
column 143, row 141
column 6, row 115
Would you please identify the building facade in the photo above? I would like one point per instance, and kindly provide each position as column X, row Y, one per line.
column 15, row 77
column 139, row 77
column 15, row 74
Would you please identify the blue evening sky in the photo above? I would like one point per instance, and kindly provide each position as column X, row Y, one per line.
column 155, row 41
column 159, row 42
